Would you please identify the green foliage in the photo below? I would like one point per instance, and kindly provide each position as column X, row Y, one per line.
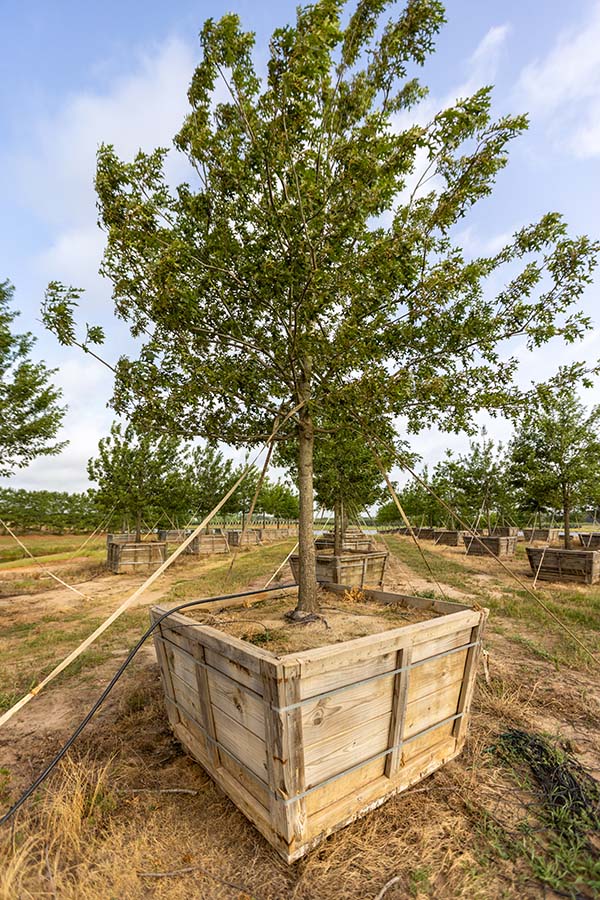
column 474, row 483
column 279, row 500
column 55, row 511
column 301, row 271
column 420, row 506
column 30, row 415
column 209, row 476
column 555, row 452
column 139, row 475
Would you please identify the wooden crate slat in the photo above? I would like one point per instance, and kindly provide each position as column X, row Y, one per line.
column 241, row 742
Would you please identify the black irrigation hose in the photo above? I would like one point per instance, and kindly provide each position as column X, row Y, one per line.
column 63, row 750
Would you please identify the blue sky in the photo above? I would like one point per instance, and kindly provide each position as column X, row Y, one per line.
column 73, row 74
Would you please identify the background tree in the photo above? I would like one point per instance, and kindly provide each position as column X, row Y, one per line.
column 417, row 502
column 555, row 452
column 54, row 511
column 279, row 499
column 30, row 415
column 475, row 483
column 209, row 476
column 140, row 476
column 304, row 267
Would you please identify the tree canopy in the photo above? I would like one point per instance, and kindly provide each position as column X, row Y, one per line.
column 140, row 476
column 30, row 414
column 555, row 453
column 307, row 265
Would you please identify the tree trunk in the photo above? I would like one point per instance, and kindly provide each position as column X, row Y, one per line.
column 567, row 519
column 307, row 580
column 337, row 528
column 138, row 526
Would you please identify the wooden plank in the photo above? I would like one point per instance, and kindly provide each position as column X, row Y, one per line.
column 399, row 701
column 349, row 670
column 323, row 717
column 239, row 702
column 338, row 752
column 387, row 597
column 235, row 699
column 468, row 682
column 243, row 744
column 437, row 674
column 322, row 659
column 450, row 641
column 187, row 698
column 355, row 781
column 285, row 755
column 233, row 648
column 205, row 702
column 362, row 658
column 357, row 803
column 427, row 711
column 165, row 675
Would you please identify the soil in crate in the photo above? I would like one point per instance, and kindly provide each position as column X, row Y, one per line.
column 342, row 617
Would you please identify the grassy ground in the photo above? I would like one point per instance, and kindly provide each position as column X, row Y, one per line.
column 480, row 827
column 46, row 547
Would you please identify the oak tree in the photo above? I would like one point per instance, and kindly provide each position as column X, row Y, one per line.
column 307, row 264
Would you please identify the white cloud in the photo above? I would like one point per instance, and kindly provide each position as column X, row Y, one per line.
column 86, row 385
column 481, row 67
column 142, row 110
column 563, row 88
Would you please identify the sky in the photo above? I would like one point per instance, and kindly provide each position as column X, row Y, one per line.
column 73, row 75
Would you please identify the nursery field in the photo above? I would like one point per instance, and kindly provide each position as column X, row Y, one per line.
column 129, row 815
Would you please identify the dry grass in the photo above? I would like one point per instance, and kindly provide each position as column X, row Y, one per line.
column 90, row 832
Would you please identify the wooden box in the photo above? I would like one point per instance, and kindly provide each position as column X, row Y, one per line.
column 590, row 540
column 270, row 535
column 134, row 557
column 175, row 535
column 424, row 534
column 503, row 547
column 350, row 542
column 449, row 538
column 565, row 565
column 129, row 537
column 308, row 742
column 505, row 531
column 353, row 567
column 547, row 535
column 249, row 539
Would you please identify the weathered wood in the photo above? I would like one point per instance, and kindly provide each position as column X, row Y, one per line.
column 124, row 558
column 399, row 701
column 590, row 540
column 353, row 568
column 248, row 538
column 350, row 542
column 449, row 538
column 304, row 743
column 553, row 564
column 502, row 547
column 504, row 531
column 547, row 535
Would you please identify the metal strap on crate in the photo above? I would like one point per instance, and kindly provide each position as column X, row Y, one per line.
column 371, row 678
column 344, row 687
column 332, row 778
